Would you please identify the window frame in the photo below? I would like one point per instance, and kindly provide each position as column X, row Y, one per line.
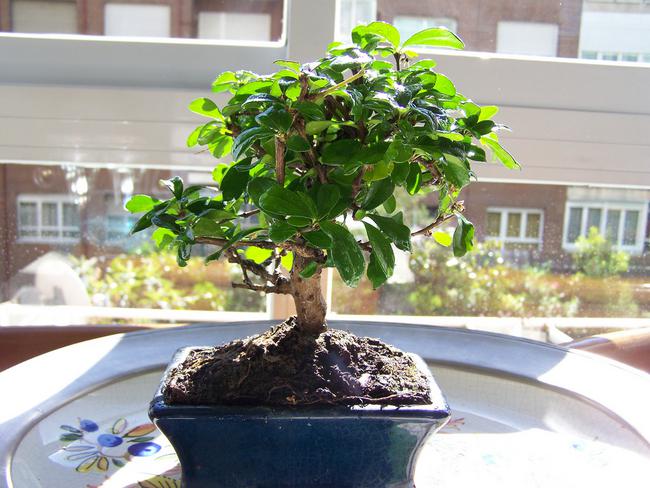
column 503, row 238
column 605, row 207
column 40, row 200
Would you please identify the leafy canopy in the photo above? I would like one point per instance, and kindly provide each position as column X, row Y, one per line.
column 317, row 145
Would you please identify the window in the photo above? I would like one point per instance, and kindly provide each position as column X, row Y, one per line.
column 410, row 24
column 48, row 218
column 234, row 26
column 353, row 12
column 518, row 230
column 621, row 224
column 44, row 17
column 532, row 38
column 138, row 20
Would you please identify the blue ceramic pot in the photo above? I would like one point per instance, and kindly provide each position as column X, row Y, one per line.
column 264, row 447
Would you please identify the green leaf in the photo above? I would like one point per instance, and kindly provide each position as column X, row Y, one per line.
column 224, row 82
column 395, row 229
column 167, row 221
column 309, row 270
column 317, row 126
column 488, row 112
column 400, row 173
column 298, row 144
column 221, row 146
column 455, row 171
column 247, row 138
column 413, row 180
column 382, row 257
column 378, row 193
column 233, row 240
column 326, row 199
column 205, row 106
column 141, row 203
column 310, row 110
column 444, row 85
column 258, row 99
column 257, row 186
column 175, row 185
column 463, row 239
column 385, row 31
column 299, row 221
column 504, row 156
column 207, row 227
column 143, row 223
column 281, row 201
column 193, row 138
column 442, row 238
column 346, row 253
column 287, row 261
column 70, row 437
column 234, row 181
column 436, row 37
column 318, row 238
column 340, row 152
column 390, row 205
column 257, row 254
column 275, row 118
column 398, row 152
column 280, row 231
column 162, row 237
column 292, row 65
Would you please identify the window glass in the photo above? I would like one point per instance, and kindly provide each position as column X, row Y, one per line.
column 28, row 215
column 49, row 214
column 609, row 30
column 44, row 17
column 139, row 20
column 612, row 225
column 575, row 224
column 531, row 38
column 514, row 224
column 594, row 216
column 234, row 26
column 533, row 222
column 630, row 229
column 493, row 224
column 246, row 20
column 410, row 24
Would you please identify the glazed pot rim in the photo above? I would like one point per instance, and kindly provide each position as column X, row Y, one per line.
column 436, row 409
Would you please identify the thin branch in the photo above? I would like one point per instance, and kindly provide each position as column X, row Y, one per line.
column 331, row 89
column 301, row 249
column 265, row 288
column 250, row 213
column 280, row 147
column 427, row 230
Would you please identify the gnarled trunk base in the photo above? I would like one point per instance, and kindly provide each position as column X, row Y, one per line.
column 308, row 298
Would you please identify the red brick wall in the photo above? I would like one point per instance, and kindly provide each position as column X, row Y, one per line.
column 478, row 19
column 548, row 198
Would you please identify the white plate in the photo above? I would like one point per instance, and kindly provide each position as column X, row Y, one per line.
column 508, row 429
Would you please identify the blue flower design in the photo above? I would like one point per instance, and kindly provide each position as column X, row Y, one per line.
column 96, row 450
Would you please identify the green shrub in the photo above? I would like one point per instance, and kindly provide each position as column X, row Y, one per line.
column 595, row 256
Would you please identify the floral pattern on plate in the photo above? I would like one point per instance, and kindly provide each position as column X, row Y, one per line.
column 130, row 452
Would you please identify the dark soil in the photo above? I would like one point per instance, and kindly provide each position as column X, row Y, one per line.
column 283, row 367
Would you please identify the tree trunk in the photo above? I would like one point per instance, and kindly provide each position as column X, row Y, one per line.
column 310, row 304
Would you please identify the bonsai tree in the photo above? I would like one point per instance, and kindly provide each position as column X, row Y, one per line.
column 318, row 146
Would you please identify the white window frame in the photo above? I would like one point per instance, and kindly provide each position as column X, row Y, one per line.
column 39, row 200
column 604, row 207
column 503, row 238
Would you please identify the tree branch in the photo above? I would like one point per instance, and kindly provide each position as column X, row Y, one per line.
column 280, row 146
column 331, row 89
column 301, row 249
column 427, row 230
